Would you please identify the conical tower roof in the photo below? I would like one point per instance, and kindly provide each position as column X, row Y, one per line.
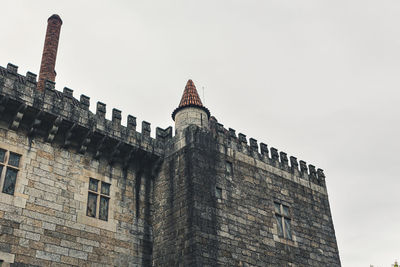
column 190, row 98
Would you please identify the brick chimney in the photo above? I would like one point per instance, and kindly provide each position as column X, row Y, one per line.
column 49, row 56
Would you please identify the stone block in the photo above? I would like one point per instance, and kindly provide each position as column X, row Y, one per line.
column 32, row 236
column 48, row 256
column 56, row 249
column 78, row 254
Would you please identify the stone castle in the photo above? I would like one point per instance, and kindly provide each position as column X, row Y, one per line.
column 77, row 189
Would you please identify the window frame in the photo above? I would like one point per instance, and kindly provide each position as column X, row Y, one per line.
column 99, row 195
column 5, row 166
column 283, row 217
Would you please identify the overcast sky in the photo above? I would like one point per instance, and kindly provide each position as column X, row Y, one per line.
column 316, row 79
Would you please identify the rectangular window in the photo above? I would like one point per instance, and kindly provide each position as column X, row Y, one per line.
column 228, row 168
column 9, row 167
column 288, row 231
column 92, row 203
column 218, row 192
column 10, row 181
column 93, row 183
column 105, row 189
column 283, row 220
column 2, row 154
column 14, row 159
column 103, row 213
column 279, row 224
column 98, row 198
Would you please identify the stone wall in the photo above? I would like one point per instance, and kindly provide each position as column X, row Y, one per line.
column 215, row 207
column 45, row 224
column 247, row 230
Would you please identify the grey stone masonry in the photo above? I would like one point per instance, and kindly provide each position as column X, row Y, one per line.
column 228, row 219
column 89, row 191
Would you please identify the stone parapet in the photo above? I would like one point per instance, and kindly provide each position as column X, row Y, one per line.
column 60, row 117
column 252, row 152
column 229, row 141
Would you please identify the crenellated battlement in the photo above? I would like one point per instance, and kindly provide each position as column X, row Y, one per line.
column 271, row 156
column 60, row 117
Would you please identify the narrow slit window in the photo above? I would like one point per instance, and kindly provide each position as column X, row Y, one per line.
column 218, row 192
column 228, row 168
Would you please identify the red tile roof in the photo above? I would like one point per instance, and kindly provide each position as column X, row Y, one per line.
column 190, row 98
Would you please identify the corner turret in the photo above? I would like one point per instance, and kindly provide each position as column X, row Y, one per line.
column 190, row 110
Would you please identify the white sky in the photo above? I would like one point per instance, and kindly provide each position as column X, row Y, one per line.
column 316, row 79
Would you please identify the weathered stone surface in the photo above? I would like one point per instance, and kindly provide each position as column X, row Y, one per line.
column 239, row 228
column 172, row 200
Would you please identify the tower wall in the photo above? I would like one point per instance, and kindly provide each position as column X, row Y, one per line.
column 183, row 200
column 209, row 216
column 190, row 116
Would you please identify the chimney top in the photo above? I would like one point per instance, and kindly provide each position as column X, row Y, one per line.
column 55, row 16
column 47, row 66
